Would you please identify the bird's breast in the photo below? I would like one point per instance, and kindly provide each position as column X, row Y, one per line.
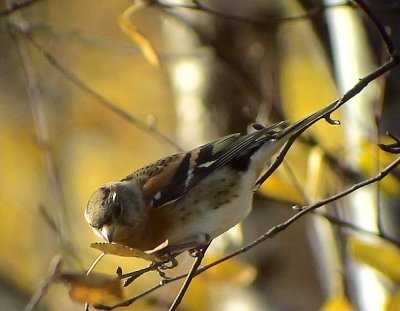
column 213, row 206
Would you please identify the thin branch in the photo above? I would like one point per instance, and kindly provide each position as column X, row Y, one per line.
column 280, row 227
column 43, row 140
column 145, row 293
column 199, row 257
column 94, row 263
column 345, row 224
column 17, row 6
column 44, row 212
column 276, row 163
column 132, row 276
column 92, row 266
column 267, row 235
column 276, row 229
column 353, row 188
column 393, row 61
column 378, row 25
column 100, row 99
column 296, row 182
column 54, row 271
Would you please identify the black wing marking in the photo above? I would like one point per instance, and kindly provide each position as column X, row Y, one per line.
column 202, row 161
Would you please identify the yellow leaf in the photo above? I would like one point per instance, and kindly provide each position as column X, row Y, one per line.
column 232, row 272
column 139, row 38
column 123, row 251
column 381, row 256
column 94, row 288
column 338, row 303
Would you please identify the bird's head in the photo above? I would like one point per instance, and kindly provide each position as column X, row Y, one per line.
column 115, row 211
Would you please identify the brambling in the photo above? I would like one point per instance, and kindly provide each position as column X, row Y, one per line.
column 185, row 200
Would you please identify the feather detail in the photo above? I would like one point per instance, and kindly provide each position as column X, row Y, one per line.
column 170, row 178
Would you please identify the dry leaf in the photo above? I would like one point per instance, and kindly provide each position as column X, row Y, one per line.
column 381, row 256
column 139, row 38
column 338, row 303
column 123, row 251
column 94, row 288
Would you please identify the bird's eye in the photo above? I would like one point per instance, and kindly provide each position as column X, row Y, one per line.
column 117, row 209
column 107, row 220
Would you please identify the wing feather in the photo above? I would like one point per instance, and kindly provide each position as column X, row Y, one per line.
column 198, row 163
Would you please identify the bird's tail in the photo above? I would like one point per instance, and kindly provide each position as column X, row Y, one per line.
column 300, row 126
column 287, row 137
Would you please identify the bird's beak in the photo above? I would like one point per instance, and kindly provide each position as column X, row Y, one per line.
column 107, row 233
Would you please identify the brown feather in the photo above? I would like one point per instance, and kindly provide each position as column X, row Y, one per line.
column 161, row 179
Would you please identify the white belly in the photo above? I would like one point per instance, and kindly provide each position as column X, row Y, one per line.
column 213, row 207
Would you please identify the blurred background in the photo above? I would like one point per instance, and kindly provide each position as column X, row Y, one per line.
column 82, row 103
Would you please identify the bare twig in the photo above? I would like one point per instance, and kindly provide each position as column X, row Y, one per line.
column 43, row 140
column 17, row 6
column 276, row 229
column 90, row 269
column 378, row 25
column 94, row 263
column 353, row 188
column 345, row 224
column 100, row 99
column 267, row 235
column 394, row 60
column 145, row 293
column 280, row 227
column 199, row 257
column 132, row 276
column 54, row 271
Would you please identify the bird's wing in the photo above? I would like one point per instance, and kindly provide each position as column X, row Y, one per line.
column 170, row 178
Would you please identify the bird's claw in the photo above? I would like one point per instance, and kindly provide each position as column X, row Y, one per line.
column 169, row 262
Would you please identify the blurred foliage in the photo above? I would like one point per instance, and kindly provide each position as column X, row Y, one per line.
column 379, row 255
column 94, row 288
column 339, row 303
column 302, row 58
column 383, row 257
column 91, row 145
column 371, row 158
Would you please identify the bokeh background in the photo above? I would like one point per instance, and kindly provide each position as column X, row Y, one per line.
column 69, row 78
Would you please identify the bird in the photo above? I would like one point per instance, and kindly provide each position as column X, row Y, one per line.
column 185, row 200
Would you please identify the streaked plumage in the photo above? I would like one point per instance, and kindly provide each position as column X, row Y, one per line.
column 184, row 200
